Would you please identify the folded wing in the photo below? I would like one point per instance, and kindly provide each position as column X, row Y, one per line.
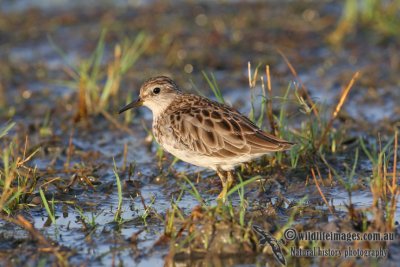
column 221, row 131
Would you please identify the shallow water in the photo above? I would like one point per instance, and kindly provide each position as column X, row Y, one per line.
column 34, row 79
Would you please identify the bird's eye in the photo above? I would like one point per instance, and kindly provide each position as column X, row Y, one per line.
column 156, row 90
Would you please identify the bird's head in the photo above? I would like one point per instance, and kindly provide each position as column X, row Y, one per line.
column 156, row 94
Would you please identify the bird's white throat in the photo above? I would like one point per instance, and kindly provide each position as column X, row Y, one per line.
column 158, row 105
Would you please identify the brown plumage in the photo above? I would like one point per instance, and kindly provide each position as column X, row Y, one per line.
column 201, row 131
column 212, row 129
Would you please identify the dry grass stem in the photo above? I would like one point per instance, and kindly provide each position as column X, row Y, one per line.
column 343, row 96
column 320, row 191
column 270, row 114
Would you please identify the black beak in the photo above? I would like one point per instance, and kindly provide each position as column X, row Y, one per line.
column 137, row 103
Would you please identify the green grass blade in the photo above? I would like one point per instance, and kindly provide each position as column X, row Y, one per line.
column 97, row 56
column 47, row 207
column 5, row 129
column 214, row 86
column 119, row 187
column 194, row 191
column 242, row 184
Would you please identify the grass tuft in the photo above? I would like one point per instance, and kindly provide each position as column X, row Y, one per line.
column 17, row 179
column 97, row 86
column 373, row 15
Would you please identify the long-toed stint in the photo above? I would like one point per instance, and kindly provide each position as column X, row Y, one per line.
column 203, row 132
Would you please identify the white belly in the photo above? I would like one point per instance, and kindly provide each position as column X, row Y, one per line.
column 214, row 163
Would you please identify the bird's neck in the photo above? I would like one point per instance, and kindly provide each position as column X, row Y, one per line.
column 158, row 108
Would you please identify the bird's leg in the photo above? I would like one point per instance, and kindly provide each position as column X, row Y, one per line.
column 230, row 180
column 227, row 179
column 222, row 175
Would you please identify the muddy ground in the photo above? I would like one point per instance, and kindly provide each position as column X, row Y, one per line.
column 76, row 151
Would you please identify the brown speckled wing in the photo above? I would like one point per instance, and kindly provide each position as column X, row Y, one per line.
column 213, row 129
